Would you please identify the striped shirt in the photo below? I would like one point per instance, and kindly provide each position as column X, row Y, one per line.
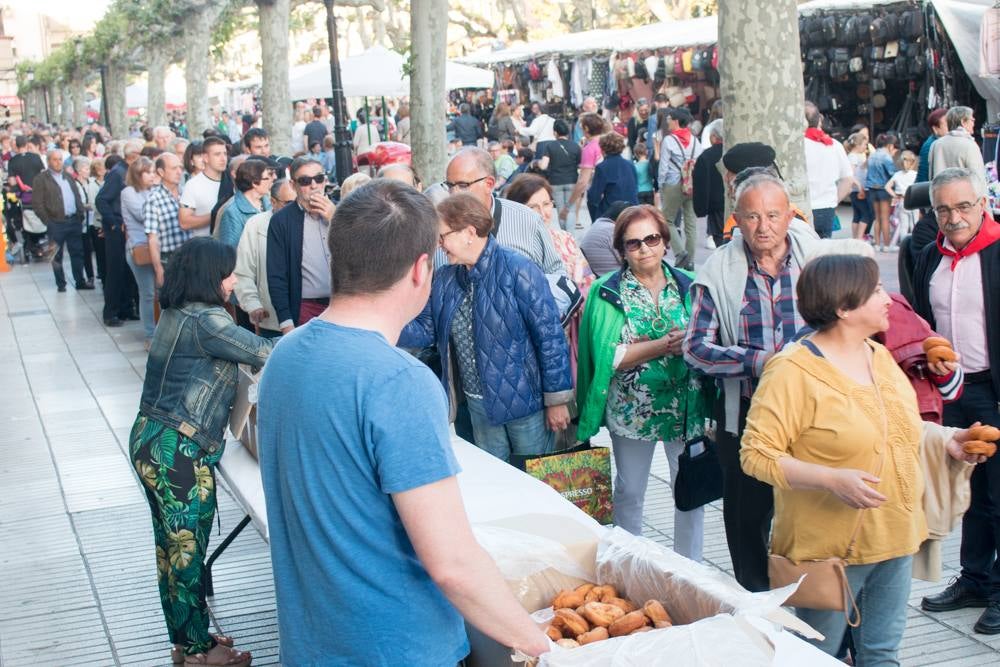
column 160, row 214
column 768, row 322
column 523, row 231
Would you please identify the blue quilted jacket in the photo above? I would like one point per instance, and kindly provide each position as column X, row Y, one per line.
column 521, row 350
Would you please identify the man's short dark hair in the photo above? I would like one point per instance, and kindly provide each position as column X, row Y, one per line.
column 831, row 283
column 196, row 271
column 214, row 141
column 886, row 139
column 20, row 141
column 249, row 174
column 254, row 133
column 561, row 128
column 377, row 233
column 300, row 162
column 317, row 111
column 681, row 115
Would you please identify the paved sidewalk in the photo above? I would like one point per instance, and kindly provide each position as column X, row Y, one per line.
column 77, row 572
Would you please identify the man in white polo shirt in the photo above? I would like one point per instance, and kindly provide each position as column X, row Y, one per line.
column 201, row 192
column 829, row 172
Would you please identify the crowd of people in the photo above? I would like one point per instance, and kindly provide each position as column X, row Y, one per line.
column 523, row 329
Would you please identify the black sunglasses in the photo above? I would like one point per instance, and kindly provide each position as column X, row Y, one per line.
column 651, row 241
column 303, row 181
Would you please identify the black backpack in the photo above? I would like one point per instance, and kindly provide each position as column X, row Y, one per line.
column 830, row 29
column 879, row 31
column 911, row 23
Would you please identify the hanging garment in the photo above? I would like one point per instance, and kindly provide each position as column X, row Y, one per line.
column 598, row 78
column 555, row 79
column 989, row 43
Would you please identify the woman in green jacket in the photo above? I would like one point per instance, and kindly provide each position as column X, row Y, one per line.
column 631, row 375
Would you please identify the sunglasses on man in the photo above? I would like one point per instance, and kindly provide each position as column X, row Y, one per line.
column 304, row 181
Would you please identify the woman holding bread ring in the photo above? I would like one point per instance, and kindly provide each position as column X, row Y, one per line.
column 631, row 376
column 834, row 427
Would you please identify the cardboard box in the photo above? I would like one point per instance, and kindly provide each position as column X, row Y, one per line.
column 717, row 621
column 243, row 416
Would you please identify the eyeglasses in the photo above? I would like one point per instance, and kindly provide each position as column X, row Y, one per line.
column 961, row 208
column 442, row 237
column 650, row 241
column 304, row 181
column 463, row 185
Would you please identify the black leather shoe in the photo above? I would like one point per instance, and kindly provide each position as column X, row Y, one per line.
column 958, row 595
column 61, row 288
column 989, row 622
column 114, row 322
column 131, row 317
column 83, row 286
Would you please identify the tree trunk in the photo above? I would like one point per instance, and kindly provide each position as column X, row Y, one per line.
column 761, row 81
column 65, row 104
column 115, row 82
column 428, row 27
column 79, row 100
column 156, row 103
column 197, row 41
column 275, row 102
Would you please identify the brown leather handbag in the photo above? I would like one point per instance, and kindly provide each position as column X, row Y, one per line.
column 825, row 585
column 141, row 256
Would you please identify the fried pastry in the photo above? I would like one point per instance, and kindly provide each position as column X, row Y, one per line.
column 624, row 605
column 935, row 341
column 627, row 624
column 553, row 633
column 597, row 634
column 568, row 599
column 986, row 449
column 567, row 643
column 599, row 613
column 656, row 613
column 940, row 353
column 570, row 622
column 986, row 433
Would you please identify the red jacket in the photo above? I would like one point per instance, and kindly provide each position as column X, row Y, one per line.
column 904, row 339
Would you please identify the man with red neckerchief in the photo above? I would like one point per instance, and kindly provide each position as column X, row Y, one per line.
column 956, row 285
column 830, row 173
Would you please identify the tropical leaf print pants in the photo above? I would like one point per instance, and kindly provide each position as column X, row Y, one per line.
column 179, row 480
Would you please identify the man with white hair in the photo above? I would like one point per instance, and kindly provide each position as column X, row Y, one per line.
column 956, row 283
column 958, row 148
column 162, row 136
column 589, row 106
column 59, row 205
column 743, row 311
column 117, row 297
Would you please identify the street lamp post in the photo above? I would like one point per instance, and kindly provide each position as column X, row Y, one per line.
column 105, row 120
column 342, row 139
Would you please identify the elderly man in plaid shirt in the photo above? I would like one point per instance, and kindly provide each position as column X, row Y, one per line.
column 161, row 213
column 743, row 311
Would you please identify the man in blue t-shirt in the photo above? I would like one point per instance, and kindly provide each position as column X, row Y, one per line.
column 374, row 559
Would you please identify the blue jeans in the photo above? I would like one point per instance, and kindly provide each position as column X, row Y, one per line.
column 881, row 591
column 145, row 279
column 823, row 221
column 525, row 436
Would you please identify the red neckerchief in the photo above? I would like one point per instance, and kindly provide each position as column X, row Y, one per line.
column 683, row 135
column 819, row 135
column 987, row 235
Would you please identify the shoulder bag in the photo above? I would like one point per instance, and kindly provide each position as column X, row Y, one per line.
column 825, row 585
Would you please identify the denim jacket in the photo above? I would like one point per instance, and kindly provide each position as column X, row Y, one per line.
column 191, row 373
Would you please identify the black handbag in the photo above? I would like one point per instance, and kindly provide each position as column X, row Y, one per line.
column 699, row 475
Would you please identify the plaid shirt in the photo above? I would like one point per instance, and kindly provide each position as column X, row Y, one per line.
column 161, row 218
column 768, row 321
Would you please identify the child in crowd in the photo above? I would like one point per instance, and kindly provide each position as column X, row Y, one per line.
column 896, row 187
column 857, row 155
column 643, row 177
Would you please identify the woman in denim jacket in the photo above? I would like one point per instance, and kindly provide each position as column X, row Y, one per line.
column 493, row 308
column 177, row 438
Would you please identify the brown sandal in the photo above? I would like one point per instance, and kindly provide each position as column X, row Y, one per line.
column 232, row 658
column 177, row 654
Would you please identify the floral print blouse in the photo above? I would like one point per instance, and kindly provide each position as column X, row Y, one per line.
column 649, row 401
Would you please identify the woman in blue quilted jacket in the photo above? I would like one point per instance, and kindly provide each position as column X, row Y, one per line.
column 491, row 311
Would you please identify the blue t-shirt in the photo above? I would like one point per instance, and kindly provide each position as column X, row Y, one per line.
column 346, row 420
column 643, row 179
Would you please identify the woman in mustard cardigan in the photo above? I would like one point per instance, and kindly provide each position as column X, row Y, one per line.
column 834, row 427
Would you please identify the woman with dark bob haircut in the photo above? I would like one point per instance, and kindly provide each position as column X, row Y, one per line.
column 834, row 427
column 177, row 438
column 491, row 310
column 614, row 178
column 253, row 187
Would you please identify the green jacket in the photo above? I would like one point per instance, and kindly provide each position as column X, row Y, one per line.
column 600, row 333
